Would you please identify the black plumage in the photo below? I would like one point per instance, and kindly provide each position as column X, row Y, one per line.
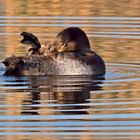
column 31, row 39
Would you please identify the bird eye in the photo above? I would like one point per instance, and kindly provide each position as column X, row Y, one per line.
column 63, row 45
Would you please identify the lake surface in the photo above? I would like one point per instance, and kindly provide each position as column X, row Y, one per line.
column 73, row 107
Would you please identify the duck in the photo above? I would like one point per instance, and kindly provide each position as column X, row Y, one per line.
column 68, row 54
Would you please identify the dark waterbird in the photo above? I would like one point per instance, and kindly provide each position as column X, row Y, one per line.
column 69, row 54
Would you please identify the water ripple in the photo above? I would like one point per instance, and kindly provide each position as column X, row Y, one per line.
column 69, row 107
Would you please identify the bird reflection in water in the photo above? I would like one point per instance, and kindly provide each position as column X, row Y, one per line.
column 31, row 105
column 60, row 95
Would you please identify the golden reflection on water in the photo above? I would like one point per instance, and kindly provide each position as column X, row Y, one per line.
column 113, row 29
column 91, row 101
column 72, row 7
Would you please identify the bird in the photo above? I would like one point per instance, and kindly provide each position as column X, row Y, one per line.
column 73, row 55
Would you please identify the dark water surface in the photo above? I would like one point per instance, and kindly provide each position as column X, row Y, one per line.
column 73, row 107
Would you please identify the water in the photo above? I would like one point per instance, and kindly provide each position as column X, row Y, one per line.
column 77, row 107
